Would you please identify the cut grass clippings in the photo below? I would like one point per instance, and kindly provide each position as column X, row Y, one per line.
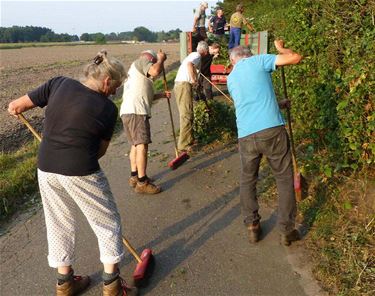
column 341, row 217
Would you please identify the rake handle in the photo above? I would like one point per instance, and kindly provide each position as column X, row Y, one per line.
column 33, row 131
column 170, row 113
column 229, row 99
column 288, row 111
column 131, row 249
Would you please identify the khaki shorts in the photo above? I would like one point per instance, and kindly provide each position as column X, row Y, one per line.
column 137, row 128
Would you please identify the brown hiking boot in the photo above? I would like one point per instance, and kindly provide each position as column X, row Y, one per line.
column 133, row 181
column 147, row 187
column 254, row 231
column 73, row 287
column 287, row 239
column 119, row 288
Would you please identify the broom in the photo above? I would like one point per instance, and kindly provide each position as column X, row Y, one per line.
column 180, row 159
column 298, row 178
column 146, row 257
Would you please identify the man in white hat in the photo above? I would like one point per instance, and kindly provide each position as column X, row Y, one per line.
column 135, row 113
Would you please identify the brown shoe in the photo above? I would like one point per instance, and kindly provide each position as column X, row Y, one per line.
column 119, row 288
column 133, row 181
column 73, row 287
column 254, row 231
column 147, row 187
column 287, row 239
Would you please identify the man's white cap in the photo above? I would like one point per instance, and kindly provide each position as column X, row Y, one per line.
column 151, row 52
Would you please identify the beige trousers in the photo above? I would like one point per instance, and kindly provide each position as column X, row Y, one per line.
column 184, row 98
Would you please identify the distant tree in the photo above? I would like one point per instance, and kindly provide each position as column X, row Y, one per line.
column 85, row 37
column 144, row 34
column 111, row 37
column 125, row 35
column 32, row 34
column 100, row 38
column 41, row 34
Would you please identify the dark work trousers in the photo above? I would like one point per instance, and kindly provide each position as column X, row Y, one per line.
column 199, row 35
column 207, row 88
column 273, row 143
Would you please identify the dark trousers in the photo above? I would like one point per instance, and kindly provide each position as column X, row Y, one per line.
column 199, row 35
column 206, row 86
column 234, row 37
column 273, row 143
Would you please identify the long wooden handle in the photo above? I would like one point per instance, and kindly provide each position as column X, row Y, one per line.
column 131, row 249
column 229, row 99
column 34, row 132
column 288, row 112
column 170, row 113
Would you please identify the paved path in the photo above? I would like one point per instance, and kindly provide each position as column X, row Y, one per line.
column 194, row 228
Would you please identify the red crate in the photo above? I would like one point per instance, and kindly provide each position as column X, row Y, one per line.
column 220, row 69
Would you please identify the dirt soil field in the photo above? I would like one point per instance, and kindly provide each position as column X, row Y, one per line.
column 23, row 69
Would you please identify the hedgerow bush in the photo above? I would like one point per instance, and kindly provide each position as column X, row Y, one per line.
column 333, row 109
column 214, row 121
column 332, row 89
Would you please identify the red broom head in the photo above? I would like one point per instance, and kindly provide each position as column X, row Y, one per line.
column 175, row 163
column 297, row 186
column 297, row 181
column 141, row 267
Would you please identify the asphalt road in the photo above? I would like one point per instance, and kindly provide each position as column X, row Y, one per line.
column 194, row 228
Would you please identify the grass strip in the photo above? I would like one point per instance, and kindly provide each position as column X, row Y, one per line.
column 17, row 178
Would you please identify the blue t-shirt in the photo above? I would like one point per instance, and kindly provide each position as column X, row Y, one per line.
column 250, row 86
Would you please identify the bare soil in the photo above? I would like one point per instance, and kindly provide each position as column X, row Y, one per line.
column 21, row 70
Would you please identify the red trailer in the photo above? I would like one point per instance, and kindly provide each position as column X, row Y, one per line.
column 258, row 42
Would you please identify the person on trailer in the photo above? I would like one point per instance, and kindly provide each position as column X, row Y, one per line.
column 237, row 20
column 217, row 24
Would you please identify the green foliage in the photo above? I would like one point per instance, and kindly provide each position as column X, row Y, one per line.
column 333, row 109
column 332, row 89
column 17, row 34
column 100, row 39
column 214, row 121
column 17, row 178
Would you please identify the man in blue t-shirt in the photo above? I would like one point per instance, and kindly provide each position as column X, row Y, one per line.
column 261, row 132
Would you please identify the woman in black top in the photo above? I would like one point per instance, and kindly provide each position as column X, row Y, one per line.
column 78, row 126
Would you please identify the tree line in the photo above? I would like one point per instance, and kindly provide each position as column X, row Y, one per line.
column 16, row 34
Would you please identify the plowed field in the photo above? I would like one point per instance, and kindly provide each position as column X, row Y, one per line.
column 23, row 69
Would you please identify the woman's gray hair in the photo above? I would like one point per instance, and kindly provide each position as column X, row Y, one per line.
column 202, row 46
column 103, row 66
column 240, row 52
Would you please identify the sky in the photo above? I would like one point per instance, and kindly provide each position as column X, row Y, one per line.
column 85, row 16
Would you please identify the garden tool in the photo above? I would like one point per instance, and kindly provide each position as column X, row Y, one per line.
column 298, row 178
column 228, row 98
column 180, row 159
column 146, row 257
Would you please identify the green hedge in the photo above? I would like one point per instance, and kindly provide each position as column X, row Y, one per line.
column 332, row 90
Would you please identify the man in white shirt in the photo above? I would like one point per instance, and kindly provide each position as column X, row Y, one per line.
column 185, row 79
column 135, row 113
